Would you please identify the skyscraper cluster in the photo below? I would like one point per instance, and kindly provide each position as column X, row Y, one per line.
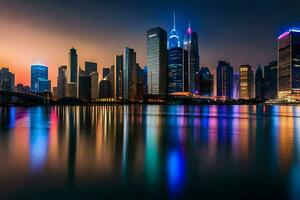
column 123, row 81
column 183, row 61
column 173, row 67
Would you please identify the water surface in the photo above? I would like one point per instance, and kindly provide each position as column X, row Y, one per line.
column 150, row 152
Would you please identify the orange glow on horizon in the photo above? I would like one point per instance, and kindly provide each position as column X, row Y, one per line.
column 25, row 44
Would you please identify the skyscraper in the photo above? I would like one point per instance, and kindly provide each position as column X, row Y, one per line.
column 246, row 82
column 174, row 40
column 177, row 70
column 157, row 61
column 73, row 66
column 118, row 77
column 145, row 79
column 38, row 72
column 236, row 85
column 7, row 79
column 129, row 74
column 111, row 78
column 72, row 90
column 289, row 64
column 270, row 77
column 62, row 82
column 44, row 85
column 90, row 67
column 206, row 82
column 190, row 43
column 141, row 82
column 84, row 87
column 94, row 85
column 224, row 79
column 259, row 84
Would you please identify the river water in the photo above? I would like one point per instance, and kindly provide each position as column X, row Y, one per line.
column 150, row 152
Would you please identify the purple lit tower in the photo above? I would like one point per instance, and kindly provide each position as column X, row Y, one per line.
column 190, row 43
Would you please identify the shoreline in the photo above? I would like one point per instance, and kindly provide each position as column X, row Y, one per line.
column 137, row 103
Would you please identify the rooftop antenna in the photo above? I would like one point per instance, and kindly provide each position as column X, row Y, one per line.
column 174, row 20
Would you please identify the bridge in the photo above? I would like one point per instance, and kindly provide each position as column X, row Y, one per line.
column 29, row 98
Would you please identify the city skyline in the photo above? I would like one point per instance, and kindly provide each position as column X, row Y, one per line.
column 49, row 45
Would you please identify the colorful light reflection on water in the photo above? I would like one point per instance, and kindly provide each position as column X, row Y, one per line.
column 150, row 151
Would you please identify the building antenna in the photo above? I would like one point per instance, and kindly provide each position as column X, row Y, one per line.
column 174, row 20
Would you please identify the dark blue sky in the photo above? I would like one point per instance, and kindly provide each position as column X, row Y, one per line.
column 239, row 31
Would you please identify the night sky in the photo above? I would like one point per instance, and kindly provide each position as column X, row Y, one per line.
column 43, row 31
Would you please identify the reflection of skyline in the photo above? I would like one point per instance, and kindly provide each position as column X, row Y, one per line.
column 159, row 143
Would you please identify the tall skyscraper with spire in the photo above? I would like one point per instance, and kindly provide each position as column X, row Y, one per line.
column 174, row 40
column 190, row 43
column 177, row 64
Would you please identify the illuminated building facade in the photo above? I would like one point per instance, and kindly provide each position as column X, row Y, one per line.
column 289, row 65
column 246, row 82
column 38, row 72
column 44, row 85
column 177, row 70
column 190, row 43
column 157, row 61
column 224, row 79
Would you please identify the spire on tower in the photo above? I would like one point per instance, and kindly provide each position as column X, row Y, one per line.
column 174, row 40
column 189, row 29
column 174, row 25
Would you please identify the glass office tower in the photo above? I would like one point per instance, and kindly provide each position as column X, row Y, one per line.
column 289, row 65
column 157, row 61
column 38, row 72
column 129, row 75
column 190, row 43
column 177, row 70
column 224, row 79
